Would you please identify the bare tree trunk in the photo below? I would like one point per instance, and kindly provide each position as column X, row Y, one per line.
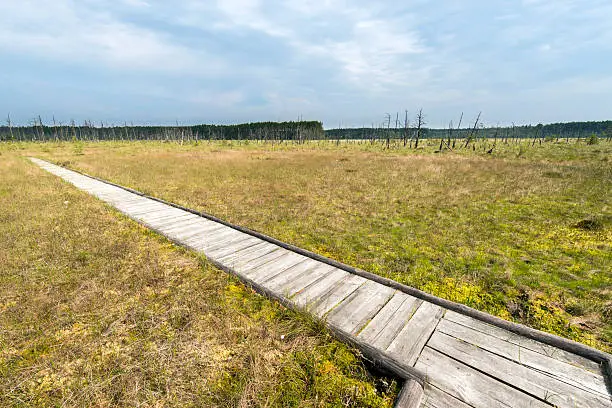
column 420, row 123
column 473, row 132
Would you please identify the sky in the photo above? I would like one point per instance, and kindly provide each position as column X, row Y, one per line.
column 346, row 63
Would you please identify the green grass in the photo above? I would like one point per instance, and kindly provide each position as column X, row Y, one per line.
column 96, row 310
column 507, row 232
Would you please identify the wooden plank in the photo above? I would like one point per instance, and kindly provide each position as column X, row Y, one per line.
column 409, row 342
column 433, row 397
column 246, row 242
column 361, row 306
column 261, row 273
column 391, row 319
column 201, row 243
column 198, row 223
column 321, row 286
column 241, row 267
column 530, row 381
column 191, row 232
column 524, row 342
column 170, row 220
column 326, row 303
column 146, row 209
column 180, row 223
column 311, row 277
column 135, row 206
column 158, row 214
column 410, row 396
column 277, row 283
column 211, row 247
column 559, row 370
column 248, row 254
column 471, row 386
column 196, row 232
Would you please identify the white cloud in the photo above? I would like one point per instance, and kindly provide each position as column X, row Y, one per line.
column 371, row 56
column 71, row 32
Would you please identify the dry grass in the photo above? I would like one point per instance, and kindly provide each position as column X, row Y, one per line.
column 507, row 233
column 97, row 311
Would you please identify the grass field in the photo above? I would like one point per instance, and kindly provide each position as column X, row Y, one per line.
column 97, row 311
column 524, row 233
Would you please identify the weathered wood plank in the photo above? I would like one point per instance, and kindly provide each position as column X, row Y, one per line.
column 249, row 254
column 137, row 206
column 312, row 277
column 158, row 214
column 361, row 306
column 321, row 286
column 196, row 234
column 524, row 342
column 201, row 243
column 412, row 338
column 553, row 368
column 533, row 382
column 211, row 247
column 180, row 223
column 410, row 396
column 160, row 223
column 276, row 283
column 242, row 243
column 268, row 270
column 434, row 397
column 327, row 302
column 471, row 386
column 391, row 319
column 184, row 230
column 147, row 209
column 241, row 267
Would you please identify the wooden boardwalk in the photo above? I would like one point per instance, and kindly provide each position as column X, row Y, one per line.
column 449, row 358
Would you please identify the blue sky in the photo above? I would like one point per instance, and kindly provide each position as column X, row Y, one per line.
column 343, row 62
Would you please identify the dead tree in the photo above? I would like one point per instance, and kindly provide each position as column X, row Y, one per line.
column 388, row 118
column 458, row 129
column 420, row 122
column 472, row 132
column 406, row 128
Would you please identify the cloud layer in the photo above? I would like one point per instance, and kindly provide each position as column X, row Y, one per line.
column 346, row 63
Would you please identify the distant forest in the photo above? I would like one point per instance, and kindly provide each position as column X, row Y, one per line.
column 303, row 130
column 553, row 130
column 296, row 131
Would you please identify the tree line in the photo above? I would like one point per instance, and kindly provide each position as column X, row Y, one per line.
column 408, row 132
column 88, row 131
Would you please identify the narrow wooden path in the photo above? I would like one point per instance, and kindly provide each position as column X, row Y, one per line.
column 448, row 356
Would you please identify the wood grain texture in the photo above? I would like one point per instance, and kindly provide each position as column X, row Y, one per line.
column 312, row 277
column 434, row 397
column 361, row 306
column 471, row 386
column 410, row 396
column 236, row 245
column 391, row 319
column 318, row 288
column 247, row 254
column 277, row 283
column 560, row 371
column 271, row 269
column 332, row 298
column 524, row 342
column 530, row 381
column 409, row 342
